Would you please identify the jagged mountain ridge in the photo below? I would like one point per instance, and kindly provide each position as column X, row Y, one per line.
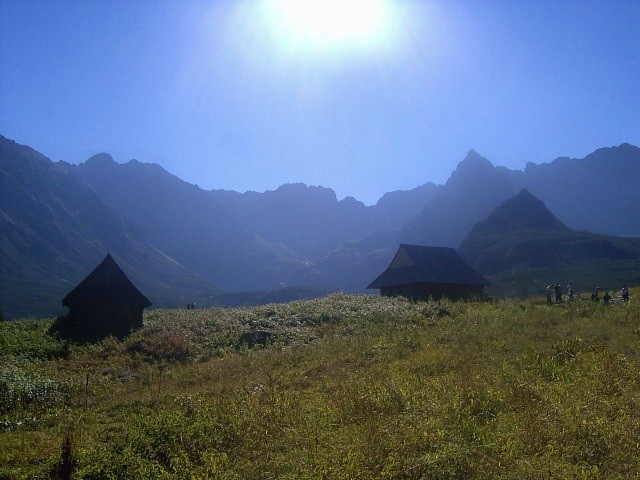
column 248, row 241
column 472, row 191
column 311, row 221
column 307, row 222
column 54, row 231
column 186, row 222
column 598, row 193
column 303, row 236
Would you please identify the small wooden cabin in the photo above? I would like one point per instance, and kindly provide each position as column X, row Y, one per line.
column 419, row 272
column 105, row 303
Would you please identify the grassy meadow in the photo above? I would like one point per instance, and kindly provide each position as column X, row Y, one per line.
column 351, row 387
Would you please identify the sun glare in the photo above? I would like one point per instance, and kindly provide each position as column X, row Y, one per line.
column 331, row 23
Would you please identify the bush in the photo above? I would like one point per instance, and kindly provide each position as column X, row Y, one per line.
column 171, row 346
column 28, row 339
column 19, row 390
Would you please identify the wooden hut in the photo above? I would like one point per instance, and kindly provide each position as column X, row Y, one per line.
column 105, row 303
column 419, row 272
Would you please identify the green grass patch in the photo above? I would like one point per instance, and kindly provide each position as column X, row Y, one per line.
column 349, row 387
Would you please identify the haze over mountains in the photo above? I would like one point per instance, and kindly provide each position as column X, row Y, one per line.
column 180, row 243
column 598, row 193
column 55, row 230
column 522, row 244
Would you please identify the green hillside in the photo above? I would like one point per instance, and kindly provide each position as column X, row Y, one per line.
column 522, row 247
column 351, row 387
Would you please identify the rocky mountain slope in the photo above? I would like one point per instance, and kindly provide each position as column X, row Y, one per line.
column 598, row 193
column 188, row 224
column 54, row 231
column 59, row 216
column 472, row 191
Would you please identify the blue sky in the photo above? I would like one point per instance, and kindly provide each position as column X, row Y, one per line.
column 222, row 95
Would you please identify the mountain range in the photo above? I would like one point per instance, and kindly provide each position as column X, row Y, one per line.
column 522, row 244
column 55, row 230
column 180, row 243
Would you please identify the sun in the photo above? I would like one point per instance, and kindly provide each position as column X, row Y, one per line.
column 326, row 24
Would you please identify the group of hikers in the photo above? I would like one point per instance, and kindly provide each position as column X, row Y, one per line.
column 554, row 290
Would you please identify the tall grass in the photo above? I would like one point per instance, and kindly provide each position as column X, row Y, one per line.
column 352, row 387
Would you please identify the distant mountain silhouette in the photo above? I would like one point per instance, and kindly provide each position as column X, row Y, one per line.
column 522, row 234
column 60, row 217
column 308, row 220
column 54, row 231
column 292, row 236
column 521, row 212
column 598, row 193
column 343, row 242
column 354, row 262
column 395, row 209
column 472, row 191
column 188, row 224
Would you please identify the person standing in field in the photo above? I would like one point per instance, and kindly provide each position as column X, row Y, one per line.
column 570, row 292
column 625, row 293
column 558, row 292
column 548, row 292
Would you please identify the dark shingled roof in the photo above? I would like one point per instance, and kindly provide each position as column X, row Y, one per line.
column 106, row 284
column 419, row 264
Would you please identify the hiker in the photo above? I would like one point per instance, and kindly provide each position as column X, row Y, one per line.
column 607, row 297
column 548, row 292
column 558, row 292
column 595, row 296
column 570, row 292
column 625, row 293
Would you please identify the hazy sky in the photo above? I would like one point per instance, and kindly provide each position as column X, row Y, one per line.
column 364, row 98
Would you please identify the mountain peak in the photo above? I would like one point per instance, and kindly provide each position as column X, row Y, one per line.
column 304, row 192
column 472, row 163
column 622, row 154
column 475, row 157
column 472, row 154
column 474, row 170
column 100, row 159
column 524, row 211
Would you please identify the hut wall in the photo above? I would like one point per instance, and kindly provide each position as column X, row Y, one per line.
column 93, row 321
column 422, row 291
